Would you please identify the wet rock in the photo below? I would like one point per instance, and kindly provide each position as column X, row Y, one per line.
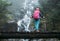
column 9, row 27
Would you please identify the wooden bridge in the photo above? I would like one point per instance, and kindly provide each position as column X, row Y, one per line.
column 27, row 35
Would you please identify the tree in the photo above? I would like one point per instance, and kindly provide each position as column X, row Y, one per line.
column 51, row 10
column 3, row 11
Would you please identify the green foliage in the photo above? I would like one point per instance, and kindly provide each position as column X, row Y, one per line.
column 51, row 10
column 3, row 11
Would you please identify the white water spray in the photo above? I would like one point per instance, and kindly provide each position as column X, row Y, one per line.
column 29, row 6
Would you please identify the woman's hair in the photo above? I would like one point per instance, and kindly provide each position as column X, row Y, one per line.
column 36, row 7
column 39, row 9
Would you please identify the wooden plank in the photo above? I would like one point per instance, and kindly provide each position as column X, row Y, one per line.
column 29, row 35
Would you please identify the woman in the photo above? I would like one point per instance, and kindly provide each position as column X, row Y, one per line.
column 36, row 16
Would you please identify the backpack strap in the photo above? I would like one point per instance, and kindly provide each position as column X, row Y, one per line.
column 41, row 15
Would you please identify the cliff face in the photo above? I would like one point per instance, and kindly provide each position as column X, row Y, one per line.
column 16, row 4
column 16, row 8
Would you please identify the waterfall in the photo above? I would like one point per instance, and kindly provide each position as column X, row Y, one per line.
column 22, row 11
column 28, row 6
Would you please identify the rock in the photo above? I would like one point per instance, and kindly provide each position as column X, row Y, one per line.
column 9, row 27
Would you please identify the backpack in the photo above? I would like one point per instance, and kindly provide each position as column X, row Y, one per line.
column 36, row 14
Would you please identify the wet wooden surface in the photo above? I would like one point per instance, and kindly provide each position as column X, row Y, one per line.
column 29, row 35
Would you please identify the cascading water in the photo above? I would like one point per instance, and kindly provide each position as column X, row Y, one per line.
column 28, row 6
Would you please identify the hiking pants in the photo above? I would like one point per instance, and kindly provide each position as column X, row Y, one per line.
column 37, row 24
